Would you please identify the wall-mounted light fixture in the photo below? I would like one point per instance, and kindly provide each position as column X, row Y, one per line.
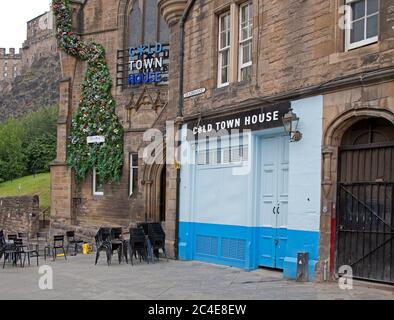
column 290, row 123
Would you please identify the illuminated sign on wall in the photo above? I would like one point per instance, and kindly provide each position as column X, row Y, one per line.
column 146, row 64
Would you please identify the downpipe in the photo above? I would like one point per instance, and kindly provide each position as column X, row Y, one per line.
column 179, row 118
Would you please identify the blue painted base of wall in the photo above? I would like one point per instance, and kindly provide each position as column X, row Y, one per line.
column 240, row 247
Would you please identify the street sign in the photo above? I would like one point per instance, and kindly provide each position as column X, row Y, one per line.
column 194, row 93
column 95, row 139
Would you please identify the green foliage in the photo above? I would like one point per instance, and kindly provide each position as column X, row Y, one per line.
column 12, row 160
column 28, row 145
column 40, row 123
column 96, row 111
column 40, row 139
column 39, row 153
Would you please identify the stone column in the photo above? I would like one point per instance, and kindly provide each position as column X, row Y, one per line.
column 62, row 181
column 172, row 11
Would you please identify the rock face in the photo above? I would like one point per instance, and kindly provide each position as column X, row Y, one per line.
column 37, row 87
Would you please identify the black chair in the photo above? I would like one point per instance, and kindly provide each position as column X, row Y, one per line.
column 137, row 245
column 40, row 242
column 14, row 252
column 24, row 236
column 26, row 251
column 157, row 238
column 103, row 243
column 117, row 243
column 12, row 237
column 73, row 241
column 2, row 243
column 58, row 244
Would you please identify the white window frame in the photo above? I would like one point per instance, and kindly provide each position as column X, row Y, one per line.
column 95, row 192
column 222, row 50
column 132, row 168
column 242, row 41
column 223, row 150
column 366, row 41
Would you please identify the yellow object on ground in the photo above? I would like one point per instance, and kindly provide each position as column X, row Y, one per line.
column 85, row 248
column 59, row 255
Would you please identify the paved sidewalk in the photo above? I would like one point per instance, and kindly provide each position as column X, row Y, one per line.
column 78, row 278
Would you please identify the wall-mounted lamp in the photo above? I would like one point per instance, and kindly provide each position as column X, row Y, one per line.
column 290, row 123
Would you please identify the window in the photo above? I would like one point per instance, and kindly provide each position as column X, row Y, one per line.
column 364, row 19
column 135, row 25
column 224, row 49
column 98, row 187
column 245, row 41
column 146, row 25
column 223, row 151
column 133, row 183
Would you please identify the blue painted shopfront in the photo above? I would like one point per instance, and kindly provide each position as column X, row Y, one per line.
column 263, row 208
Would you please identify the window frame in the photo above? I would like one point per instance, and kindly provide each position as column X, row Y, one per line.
column 230, row 150
column 227, row 48
column 94, row 184
column 142, row 24
column 132, row 167
column 366, row 41
column 242, row 65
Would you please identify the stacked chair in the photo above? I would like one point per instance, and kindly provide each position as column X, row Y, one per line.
column 110, row 240
column 156, row 238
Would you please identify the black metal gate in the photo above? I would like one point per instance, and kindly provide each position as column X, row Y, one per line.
column 365, row 211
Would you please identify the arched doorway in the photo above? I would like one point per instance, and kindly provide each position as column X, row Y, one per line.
column 365, row 200
column 163, row 189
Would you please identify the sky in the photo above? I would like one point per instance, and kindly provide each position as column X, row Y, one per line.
column 13, row 17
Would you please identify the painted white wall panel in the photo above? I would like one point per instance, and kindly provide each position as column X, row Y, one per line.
column 305, row 167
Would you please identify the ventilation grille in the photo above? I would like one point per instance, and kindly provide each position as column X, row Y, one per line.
column 233, row 249
column 207, row 245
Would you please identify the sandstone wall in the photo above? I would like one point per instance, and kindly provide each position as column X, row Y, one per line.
column 19, row 214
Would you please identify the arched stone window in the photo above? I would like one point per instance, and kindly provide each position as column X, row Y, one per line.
column 145, row 24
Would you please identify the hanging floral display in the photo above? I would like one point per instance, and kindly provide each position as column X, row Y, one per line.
column 95, row 115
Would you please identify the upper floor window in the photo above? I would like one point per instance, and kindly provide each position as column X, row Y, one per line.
column 364, row 20
column 146, row 25
column 235, row 44
column 245, row 41
column 224, row 49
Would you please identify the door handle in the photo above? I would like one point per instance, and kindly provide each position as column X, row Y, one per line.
column 277, row 210
column 273, row 210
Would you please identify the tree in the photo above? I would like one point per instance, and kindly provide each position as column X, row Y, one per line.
column 12, row 160
column 39, row 153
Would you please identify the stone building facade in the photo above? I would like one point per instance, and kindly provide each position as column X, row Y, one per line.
column 40, row 41
column 10, row 64
column 139, row 107
column 247, row 57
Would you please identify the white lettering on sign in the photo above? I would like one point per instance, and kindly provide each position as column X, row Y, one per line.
column 95, row 139
column 249, row 120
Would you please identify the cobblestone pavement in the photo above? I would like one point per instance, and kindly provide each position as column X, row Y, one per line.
column 78, row 278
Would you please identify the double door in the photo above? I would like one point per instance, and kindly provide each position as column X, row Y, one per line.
column 273, row 207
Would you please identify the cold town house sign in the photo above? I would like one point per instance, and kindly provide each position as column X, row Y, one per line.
column 256, row 119
column 146, row 64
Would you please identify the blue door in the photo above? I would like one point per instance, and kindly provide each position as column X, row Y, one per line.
column 273, row 205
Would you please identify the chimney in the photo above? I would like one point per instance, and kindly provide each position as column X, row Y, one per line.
column 2, row 51
column 12, row 51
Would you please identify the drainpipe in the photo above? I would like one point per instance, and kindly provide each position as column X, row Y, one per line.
column 179, row 117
